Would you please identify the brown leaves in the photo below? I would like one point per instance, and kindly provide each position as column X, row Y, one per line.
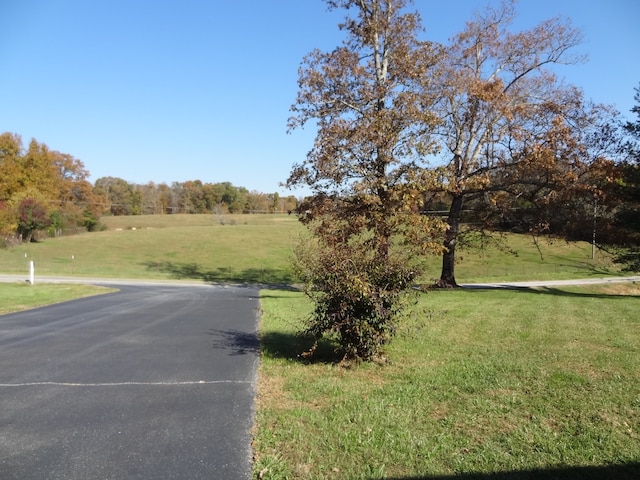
column 359, row 95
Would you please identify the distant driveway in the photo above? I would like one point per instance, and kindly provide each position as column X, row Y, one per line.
column 150, row 382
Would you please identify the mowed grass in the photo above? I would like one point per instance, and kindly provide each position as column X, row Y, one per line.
column 246, row 248
column 510, row 257
column 538, row 383
column 23, row 296
column 258, row 249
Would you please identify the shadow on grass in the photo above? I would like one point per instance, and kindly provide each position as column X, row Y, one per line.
column 586, row 267
column 565, row 293
column 548, row 291
column 194, row 271
column 628, row 471
column 293, row 347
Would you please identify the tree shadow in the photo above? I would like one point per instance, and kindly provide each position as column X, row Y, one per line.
column 239, row 342
column 626, row 471
column 565, row 293
column 548, row 291
column 193, row 271
column 584, row 266
column 294, row 347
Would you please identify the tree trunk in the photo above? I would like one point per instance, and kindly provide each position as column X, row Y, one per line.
column 447, row 277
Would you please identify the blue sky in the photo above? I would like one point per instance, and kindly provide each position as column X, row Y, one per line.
column 168, row 90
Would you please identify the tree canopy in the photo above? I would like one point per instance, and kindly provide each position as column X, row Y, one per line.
column 40, row 187
column 627, row 192
column 191, row 197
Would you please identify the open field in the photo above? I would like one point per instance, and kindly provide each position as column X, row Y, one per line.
column 247, row 248
column 258, row 249
column 538, row 383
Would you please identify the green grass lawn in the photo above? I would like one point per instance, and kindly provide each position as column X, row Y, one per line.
column 246, row 248
column 479, row 381
column 258, row 249
column 517, row 258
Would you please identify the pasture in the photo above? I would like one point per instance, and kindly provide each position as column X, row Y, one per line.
column 239, row 249
column 258, row 249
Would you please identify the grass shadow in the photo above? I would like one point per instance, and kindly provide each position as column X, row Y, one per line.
column 586, row 267
column 294, row 346
column 627, row 471
column 193, row 271
column 547, row 291
column 565, row 293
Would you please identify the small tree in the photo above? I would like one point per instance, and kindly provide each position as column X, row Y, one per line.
column 32, row 216
column 364, row 171
column 356, row 296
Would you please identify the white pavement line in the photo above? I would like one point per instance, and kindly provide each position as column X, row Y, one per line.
column 120, row 384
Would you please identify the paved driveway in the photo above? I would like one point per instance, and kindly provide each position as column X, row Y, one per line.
column 151, row 382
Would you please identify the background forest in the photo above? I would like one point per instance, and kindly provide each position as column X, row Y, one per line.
column 42, row 190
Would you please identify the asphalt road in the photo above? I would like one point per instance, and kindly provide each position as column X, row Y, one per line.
column 150, row 382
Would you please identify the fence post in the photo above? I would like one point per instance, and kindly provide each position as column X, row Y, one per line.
column 31, row 272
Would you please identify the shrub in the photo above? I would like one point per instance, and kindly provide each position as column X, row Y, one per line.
column 356, row 294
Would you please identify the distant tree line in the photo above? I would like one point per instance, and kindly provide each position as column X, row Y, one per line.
column 192, row 196
column 46, row 190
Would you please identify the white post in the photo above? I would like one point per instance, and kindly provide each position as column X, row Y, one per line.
column 31, row 272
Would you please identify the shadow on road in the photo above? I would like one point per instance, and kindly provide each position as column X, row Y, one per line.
column 240, row 343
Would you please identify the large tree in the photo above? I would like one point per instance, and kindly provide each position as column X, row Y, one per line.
column 364, row 170
column 510, row 128
column 628, row 193
column 10, row 165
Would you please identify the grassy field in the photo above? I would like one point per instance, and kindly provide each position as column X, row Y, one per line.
column 526, row 384
column 246, row 248
column 257, row 249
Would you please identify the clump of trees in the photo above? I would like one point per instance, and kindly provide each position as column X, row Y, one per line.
column 193, row 196
column 42, row 188
column 481, row 127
